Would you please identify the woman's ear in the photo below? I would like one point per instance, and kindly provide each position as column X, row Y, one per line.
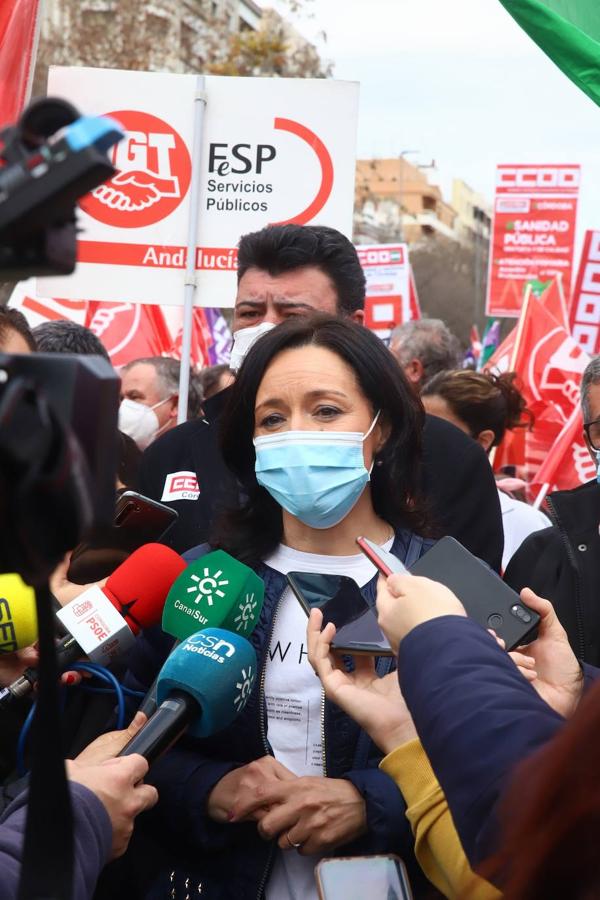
column 486, row 439
column 381, row 433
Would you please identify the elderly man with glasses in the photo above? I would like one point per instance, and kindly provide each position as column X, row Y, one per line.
column 562, row 563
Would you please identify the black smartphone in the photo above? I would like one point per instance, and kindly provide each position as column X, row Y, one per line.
column 138, row 520
column 359, row 877
column 486, row 598
column 341, row 602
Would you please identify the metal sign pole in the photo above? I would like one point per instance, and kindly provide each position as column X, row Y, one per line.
column 190, row 271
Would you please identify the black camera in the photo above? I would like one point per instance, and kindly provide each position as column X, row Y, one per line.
column 48, row 160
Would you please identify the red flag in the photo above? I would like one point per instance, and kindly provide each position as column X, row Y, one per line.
column 553, row 299
column 413, row 297
column 129, row 330
column 548, row 361
column 501, row 359
column 550, row 365
column 41, row 309
column 568, row 462
column 18, row 38
column 202, row 338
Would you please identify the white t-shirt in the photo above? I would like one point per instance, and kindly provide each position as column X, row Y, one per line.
column 294, row 700
column 519, row 520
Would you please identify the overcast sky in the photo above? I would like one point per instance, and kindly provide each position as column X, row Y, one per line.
column 460, row 82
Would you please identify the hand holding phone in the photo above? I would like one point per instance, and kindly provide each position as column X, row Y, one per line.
column 341, row 602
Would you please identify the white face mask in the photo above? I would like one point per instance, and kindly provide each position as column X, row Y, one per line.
column 139, row 421
column 243, row 340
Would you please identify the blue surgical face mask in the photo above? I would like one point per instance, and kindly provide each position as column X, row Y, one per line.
column 317, row 476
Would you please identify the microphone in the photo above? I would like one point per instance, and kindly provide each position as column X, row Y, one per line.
column 214, row 591
column 18, row 615
column 102, row 623
column 204, row 684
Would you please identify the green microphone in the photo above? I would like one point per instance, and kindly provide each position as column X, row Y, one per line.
column 215, row 591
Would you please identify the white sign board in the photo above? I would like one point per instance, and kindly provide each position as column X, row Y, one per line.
column 387, row 273
column 274, row 150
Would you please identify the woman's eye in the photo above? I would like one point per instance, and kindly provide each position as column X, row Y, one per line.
column 327, row 412
column 271, row 421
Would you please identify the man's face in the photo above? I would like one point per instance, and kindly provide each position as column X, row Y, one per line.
column 274, row 298
column 140, row 383
column 594, row 405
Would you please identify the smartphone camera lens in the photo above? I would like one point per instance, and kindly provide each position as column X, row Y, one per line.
column 495, row 620
column 520, row 613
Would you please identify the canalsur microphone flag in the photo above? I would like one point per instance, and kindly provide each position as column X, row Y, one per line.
column 215, row 590
column 218, row 670
column 568, row 31
column 18, row 616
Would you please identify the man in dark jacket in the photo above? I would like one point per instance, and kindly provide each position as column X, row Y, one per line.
column 563, row 562
column 287, row 271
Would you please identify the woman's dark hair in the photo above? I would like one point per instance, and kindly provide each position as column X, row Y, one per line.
column 551, row 816
column 482, row 401
column 252, row 532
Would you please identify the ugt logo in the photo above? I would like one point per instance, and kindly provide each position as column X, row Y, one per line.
column 153, row 177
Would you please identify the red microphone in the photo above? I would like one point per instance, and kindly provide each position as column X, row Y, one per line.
column 102, row 623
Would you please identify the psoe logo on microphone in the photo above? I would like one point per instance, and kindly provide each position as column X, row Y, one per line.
column 80, row 609
column 153, row 177
column 209, row 645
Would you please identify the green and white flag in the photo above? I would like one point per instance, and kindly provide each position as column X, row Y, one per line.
column 568, row 31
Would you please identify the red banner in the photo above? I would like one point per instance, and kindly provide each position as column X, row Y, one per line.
column 18, row 34
column 568, row 463
column 533, row 232
column 585, row 305
column 129, row 331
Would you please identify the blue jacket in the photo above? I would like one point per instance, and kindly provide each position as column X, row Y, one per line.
column 477, row 718
column 176, row 846
column 92, row 836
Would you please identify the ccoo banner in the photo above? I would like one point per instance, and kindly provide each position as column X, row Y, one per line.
column 274, row 150
column 533, row 232
column 387, row 274
column 585, row 305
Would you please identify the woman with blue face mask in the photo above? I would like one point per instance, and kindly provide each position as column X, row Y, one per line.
column 323, row 432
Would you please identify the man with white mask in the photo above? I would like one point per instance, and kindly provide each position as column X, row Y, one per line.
column 150, row 398
column 294, row 270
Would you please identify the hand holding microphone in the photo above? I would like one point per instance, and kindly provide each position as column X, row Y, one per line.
column 117, row 783
column 103, row 623
column 204, row 684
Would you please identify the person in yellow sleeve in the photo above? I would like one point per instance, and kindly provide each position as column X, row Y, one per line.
column 379, row 708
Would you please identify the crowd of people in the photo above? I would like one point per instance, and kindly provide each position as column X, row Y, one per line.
column 474, row 765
